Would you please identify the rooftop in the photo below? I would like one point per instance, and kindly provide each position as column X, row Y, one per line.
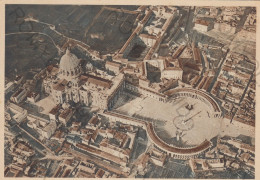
column 113, row 63
column 55, row 110
column 33, row 94
column 96, row 80
column 65, row 113
column 202, row 22
column 18, row 92
column 60, row 85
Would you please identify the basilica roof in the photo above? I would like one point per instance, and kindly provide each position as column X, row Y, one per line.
column 69, row 62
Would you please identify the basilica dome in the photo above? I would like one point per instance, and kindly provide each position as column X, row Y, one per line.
column 69, row 65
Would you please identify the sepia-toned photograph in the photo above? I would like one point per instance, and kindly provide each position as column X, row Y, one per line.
column 129, row 91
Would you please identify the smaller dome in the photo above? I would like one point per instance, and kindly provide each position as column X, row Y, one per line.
column 69, row 64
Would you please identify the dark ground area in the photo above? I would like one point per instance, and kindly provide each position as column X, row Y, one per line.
column 110, row 30
column 26, row 50
column 136, row 51
column 23, row 54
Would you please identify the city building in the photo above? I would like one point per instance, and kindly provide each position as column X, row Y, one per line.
column 203, row 25
column 19, row 95
column 20, row 114
column 71, row 84
column 9, row 87
column 33, row 97
column 113, row 66
column 66, row 115
column 44, row 127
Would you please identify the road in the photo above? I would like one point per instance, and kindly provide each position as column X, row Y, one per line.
column 57, row 158
column 8, row 34
column 52, row 27
column 218, row 71
column 48, row 149
column 77, row 42
column 97, row 161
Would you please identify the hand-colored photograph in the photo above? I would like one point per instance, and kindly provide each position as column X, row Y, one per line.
column 130, row 91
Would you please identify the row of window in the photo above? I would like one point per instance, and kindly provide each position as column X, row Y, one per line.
column 72, row 73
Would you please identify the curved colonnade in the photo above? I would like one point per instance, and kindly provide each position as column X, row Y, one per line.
column 176, row 152
column 196, row 94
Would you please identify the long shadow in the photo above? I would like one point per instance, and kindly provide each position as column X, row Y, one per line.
column 125, row 98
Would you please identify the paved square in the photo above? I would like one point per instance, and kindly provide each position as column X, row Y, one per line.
column 174, row 122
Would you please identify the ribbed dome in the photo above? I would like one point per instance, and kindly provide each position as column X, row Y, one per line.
column 69, row 64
